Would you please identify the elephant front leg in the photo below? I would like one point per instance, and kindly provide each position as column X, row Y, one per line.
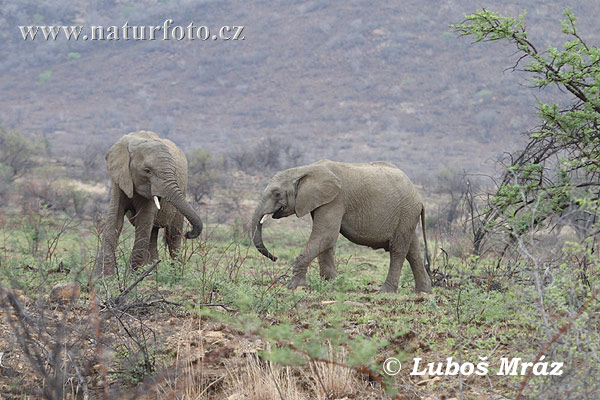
column 327, row 264
column 106, row 260
column 326, row 228
column 144, row 223
column 300, row 266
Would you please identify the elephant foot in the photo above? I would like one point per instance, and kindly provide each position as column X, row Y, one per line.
column 423, row 289
column 138, row 261
column 386, row 288
column 295, row 282
column 423, row 285
column 136, row 265
column 328, row 275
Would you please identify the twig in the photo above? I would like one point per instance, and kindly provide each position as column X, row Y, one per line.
column 82, row 382
column 2, row 355
column 320, row 380
column 275, row 382
column 134, row 284
column 558, row 334
column 223, row 305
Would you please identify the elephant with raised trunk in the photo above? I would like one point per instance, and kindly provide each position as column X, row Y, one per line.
column 149, row 181
column 373, row 204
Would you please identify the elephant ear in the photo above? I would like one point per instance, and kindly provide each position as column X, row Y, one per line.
column 317, row 186
column 117, row 161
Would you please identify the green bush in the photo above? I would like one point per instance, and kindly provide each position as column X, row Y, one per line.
column 44, row 77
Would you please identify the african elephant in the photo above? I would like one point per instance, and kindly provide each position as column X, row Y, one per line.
column 373, row 204
column 149, row 181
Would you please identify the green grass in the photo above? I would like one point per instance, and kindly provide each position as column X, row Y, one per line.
column 44, row 77
column 465, row 320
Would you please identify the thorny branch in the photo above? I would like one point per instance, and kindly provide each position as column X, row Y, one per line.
column 561, row 331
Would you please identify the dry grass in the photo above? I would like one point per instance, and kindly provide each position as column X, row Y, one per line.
column 186, row 378
column 333, row 381
column 263, row 380
column 249, row 377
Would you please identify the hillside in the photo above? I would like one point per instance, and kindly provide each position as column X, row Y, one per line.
column 347, row 80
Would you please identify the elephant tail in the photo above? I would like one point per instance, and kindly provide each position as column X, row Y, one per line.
column 427, row 260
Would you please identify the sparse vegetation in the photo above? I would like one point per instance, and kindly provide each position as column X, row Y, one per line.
column 205, row 171
column 558, row 170
column 44, row 77
column 17, row 154
column 216, row 321
column 268, row 155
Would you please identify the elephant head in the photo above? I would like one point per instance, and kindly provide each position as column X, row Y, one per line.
column 145, row 165
column 293, row 191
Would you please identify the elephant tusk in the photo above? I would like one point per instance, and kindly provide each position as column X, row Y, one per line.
column 264, row 217
column 156, row 202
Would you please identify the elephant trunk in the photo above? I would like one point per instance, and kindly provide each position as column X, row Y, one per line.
column 256, row 231
column 177, row 199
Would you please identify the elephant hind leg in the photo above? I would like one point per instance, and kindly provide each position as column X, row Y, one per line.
column 398, row 251
column 327, row 264
column 391, row 281
column 415, row 258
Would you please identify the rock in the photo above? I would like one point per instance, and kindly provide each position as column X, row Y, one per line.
column 65, row 292
column 214, row 334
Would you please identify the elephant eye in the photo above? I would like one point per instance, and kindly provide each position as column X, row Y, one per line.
column 147, row 170
column 276, row 194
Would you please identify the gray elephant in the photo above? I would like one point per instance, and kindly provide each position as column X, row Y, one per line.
column 373, row 204
column 149, row 181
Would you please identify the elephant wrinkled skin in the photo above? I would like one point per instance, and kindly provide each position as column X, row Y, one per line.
column 149, row 181
column 373, row 204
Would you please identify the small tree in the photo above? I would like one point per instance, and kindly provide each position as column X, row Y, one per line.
column 94, row 166
column 205, row 172
column 557, row 172
column 16, row 154
column 559, row 168
column 451, row 182
column 268, row 155
column 5, row 180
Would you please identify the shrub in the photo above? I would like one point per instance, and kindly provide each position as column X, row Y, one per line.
column 53, row 193
column 270, row 154
column 205, row 172
column 16, row 154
